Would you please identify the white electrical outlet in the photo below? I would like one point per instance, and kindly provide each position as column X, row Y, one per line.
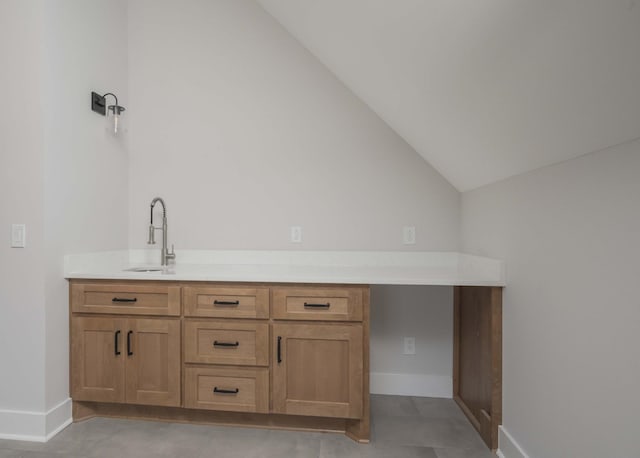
column 409, row 235
column 18, row 235
column 296, row 234
column 409, row 346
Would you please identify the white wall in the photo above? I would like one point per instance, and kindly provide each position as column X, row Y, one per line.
column 423, row 312
column 86, row 168
column 569, row 235
column 244, row 133
column 64, row 176
column 21, row 201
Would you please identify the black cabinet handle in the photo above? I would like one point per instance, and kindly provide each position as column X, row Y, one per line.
column 226, row 344
column 223, row 391
column 116, row 338
column 226, row 303
column 317, row 306
column 129, row 352
column 123, row 299
column 279, row 349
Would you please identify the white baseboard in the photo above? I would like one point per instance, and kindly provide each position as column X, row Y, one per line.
column 35, row 426
column 508, row 447
column 424, row 385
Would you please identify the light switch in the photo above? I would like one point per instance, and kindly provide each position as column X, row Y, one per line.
column 18, row 235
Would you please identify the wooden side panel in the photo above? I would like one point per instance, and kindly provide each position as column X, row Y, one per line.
column 226, row 301
column 359, row 429
column 125, row 298
column 153, row 362
column 477, row 374
column 317, row 303
column 97, row 372
column 239, row 389
column 320, row 370
column 226, row 342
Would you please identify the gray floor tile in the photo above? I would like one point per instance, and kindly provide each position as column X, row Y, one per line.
column 427, row 432
column 438, row 408
column 401, row 427
column 463, row 453
column 336, row 446
column 396, row 406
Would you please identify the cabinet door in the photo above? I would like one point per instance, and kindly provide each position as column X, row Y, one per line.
column 152, row 349
column 97, row 359
column 317, row 370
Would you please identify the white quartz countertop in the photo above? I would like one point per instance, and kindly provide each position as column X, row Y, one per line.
column 345, row 267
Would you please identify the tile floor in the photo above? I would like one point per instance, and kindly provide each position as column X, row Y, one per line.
column 402, row 427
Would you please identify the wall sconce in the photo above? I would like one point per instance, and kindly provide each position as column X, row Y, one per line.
column 99, row 105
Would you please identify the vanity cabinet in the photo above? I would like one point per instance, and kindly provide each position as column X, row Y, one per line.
column 125, row 360
column 274, row 355
column 280, row 355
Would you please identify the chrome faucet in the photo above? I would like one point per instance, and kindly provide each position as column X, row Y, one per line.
column 165, row 256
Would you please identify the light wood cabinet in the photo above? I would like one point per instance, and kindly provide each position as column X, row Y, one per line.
column 282, row 355
column 269, row 355
column 290, row 356
column 318, row 369
column 125, row 360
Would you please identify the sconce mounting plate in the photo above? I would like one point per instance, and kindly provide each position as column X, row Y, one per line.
column 98, row 104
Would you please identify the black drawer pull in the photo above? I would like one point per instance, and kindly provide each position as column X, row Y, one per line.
column 116, row 338
column 223, row 391
column 226, row 344
column 129, row 351
column 226, row 303
column 279, row 349
column 317, row 306
column 123, row 299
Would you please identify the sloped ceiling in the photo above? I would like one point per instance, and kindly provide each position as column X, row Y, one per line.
column 487, row 89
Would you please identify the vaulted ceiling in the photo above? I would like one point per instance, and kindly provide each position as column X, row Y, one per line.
column 484, row 89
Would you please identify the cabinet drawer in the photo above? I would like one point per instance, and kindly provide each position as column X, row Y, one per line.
column 310, row 303
column 226, row 302
column 236, row 389
column 123, row 298
column 224, row 342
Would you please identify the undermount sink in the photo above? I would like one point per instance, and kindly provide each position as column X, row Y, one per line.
column 144, row 269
